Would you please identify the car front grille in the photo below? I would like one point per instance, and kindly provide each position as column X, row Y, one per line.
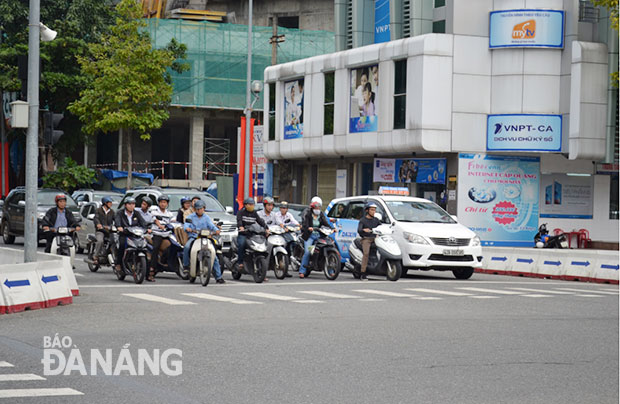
column 450, row 242
column 228, row 227
column 441, row 257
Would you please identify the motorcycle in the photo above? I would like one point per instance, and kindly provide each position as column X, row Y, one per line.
column 170, row 254
column 109, row 245
column 134, row 258
column 542, row 239
column 278, row 254
column 294, row 246
column 256, row 259
column 63, row 244
column 385, row 257
column 324, row 255
column 202, row 256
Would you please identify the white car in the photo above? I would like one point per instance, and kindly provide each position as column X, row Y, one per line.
column 429, row 238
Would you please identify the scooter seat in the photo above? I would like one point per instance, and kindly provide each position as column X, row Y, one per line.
column 91, row 237
column 358, row 244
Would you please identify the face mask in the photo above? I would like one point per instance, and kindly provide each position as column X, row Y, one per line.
column 316, row 211
column 250, row 208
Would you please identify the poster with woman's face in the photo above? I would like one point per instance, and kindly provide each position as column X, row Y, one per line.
column 293, row 109
column 363, row 108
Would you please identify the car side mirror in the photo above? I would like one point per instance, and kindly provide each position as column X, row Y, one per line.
column 454, row 217
column 91, row 216
column 21, row 203
column 230, row 210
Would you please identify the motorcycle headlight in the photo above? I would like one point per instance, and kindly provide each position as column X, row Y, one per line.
column 414, row 238
column 475, row 242
column 260, row 247
column 388, row 239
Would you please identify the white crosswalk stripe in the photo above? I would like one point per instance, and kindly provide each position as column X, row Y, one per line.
column 553, row 292
column 216, row 298
column 497, row 291
column 272, row 296
column 483, row 297
column 158, row 299
column 588, row 291
column 439, row 292
column 19, row 393
column 4, row 364
column 20, row 377
column 579, row 295
column 328, row 294
column 384, row 293
column 427, row 298
column 536, row 295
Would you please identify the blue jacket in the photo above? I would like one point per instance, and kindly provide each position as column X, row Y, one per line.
column 199, row 223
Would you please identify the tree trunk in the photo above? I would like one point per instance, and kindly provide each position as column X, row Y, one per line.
column 129, row 158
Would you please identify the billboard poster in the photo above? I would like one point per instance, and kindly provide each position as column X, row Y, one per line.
column 421, row 171
column 294, row 109
column 524, row 132
column 498, row 198
column 526, row 28
column 382, row 21
column 566, row 196
column 363, row 111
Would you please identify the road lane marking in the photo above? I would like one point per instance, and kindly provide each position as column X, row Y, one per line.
column 272, row 296
column 499, row 292
column 384, row 293
column 20, row 377
column 16, row 393
column 371, row 299
column 308, row 301
column 589, row 295
column 158, row 299
column 78, row 274
column 4, row 364
column 439, row 292
column 588, row 291
column 536, row 295
column 216, row 298
column 328, row 294
column 553, row 292
column 483, row 297
column 427, row 298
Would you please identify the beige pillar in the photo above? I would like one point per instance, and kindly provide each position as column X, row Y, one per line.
column 196, row 148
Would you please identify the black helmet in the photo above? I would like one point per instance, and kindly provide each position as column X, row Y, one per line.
column 147, row 201
column 130, row 200
column 163, row 198
column 248, row 201
column 196, row 197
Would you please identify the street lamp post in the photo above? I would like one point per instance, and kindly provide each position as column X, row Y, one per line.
column 247, row 178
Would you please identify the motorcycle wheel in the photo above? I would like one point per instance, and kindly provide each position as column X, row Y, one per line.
column 140, row 270
column 260, row 269
column 205, row 271
column 91, row 255
column 181, row 272
column 281, row 266
column 393, row 270
column 331, row 266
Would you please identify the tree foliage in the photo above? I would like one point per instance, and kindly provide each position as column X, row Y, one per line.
column 612, row 8
column 70, row 176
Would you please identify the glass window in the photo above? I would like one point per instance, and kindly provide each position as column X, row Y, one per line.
column 613, row 198
column 49, row 198
column 418, row 212
column 328, row 122
column 272, row 111
column 439, row 27
column 338, row 210
column 356, row 210
column 400, row 93
column 440, row 3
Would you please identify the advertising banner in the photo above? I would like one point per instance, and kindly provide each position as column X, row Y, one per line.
column 364, row 89
column 498, row 198
column 524, row 132
column 526, row 28
column 294, row 109
column 341, row 183
column 564, row 196
column 421, row 171
column 382, row 21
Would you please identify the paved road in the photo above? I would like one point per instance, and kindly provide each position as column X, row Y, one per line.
column 425, row 339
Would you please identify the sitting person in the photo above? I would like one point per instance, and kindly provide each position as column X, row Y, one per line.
column 195, row 222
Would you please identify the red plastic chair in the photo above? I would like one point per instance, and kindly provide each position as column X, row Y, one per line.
column 557, row 232
column 584, row 239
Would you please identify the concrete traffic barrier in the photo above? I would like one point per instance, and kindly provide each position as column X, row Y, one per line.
column 54, row 284
column 20, row 288
column 606, row 267
column 551, row 263
column 524, row 262
column 496, row 260
column 580, row 266
column 70, row 275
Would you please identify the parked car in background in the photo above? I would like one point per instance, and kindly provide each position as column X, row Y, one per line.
column 427, row 235
column 87, row 226
column 14, row 207
column 82, row 196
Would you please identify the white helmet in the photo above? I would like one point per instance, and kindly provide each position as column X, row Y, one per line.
column 317, row 200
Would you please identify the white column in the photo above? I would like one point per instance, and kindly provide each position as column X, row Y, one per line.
column 196, row 147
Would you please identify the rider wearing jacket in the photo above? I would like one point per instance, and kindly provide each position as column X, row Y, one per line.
column 195, row 222
column 364, row 229
column 104, row 220
column 162, row 217
column 313, row 219
column 245, row 218
column 267, row 214
column 56, row 217
column 127, row 217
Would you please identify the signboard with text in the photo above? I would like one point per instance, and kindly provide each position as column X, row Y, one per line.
column 382, row 21
column 524, row 132
column 421, row 171
column 565, row 196
column 526, row 28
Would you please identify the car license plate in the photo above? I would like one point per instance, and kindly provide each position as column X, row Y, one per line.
column 226, row 237
column 453, row 252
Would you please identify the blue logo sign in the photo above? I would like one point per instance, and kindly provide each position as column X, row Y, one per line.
column 382, row 21
column 526, row 28
column 524, row 132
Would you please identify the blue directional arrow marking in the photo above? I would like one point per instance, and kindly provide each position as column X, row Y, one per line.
column 9, row 284
column 47, row 279
column 580, row 263
column 605, row 266
column 528, row 261
column 498, row 258
column 556, row 263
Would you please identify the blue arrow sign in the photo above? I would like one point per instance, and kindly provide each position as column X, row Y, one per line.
column 528, row 261
column 580, row 263
column 556, row 263
column 498, row 258
column 605, row 266
column 9, row 284
column 47, row 279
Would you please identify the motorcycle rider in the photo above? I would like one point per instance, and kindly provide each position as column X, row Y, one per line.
column 185, row 210
column 245, row 218
column 144, row 211
column 55, row 217
column 104, row 219
column 364, row 229
column 162, row 217
column 313, row 219
column 199, row 220
column 195, row 199
column 267, row 214
column 285, row 218
column 127, row 217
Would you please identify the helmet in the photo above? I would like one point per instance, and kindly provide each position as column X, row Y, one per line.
column 200, row 204
column 248, row 201
column 315, row 205
column 267, row 200
column 60, row 197
column 370, row 205
column 163, row 198
column 318, row 200
column 185, row 199
column 130, row 200
column 284, row 205
column 196, row 197
column 106, row 199
column 147, row 201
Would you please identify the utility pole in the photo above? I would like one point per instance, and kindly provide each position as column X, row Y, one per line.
column 275, row 40
column 3, row 140
column 247, row 178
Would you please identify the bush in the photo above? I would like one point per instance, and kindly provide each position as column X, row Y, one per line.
column 70, row 176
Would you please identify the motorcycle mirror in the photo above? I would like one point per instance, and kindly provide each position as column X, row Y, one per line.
column 188, row 220
column 220, row 223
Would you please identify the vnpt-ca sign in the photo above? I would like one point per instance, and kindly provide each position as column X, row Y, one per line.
column 526, row 28
column 524, row 132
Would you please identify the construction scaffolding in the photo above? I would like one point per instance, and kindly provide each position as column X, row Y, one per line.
column 217, row 54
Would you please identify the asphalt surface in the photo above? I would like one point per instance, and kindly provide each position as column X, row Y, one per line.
column 428, row 338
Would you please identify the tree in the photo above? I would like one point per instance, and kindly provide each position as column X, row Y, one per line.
column 130, row 86
column 69, row 177
column 612, row 8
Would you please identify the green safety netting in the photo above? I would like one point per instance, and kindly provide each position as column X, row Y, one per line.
column 217, row 54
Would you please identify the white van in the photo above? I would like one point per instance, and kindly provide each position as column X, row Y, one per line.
column 428, row 236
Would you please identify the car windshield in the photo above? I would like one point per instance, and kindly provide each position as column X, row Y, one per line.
column 48, row 198
column 116, row 198
column 419, row 212
column 212, row 204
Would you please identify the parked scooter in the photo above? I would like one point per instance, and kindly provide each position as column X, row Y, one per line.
column 544, row 240
column 170, row 254
column 202, row 256
column 63, row 244
column 256, row 259
column 324, row 255
column 385, row 257
column 109, row 250
column 134, row 259
column 278, row 254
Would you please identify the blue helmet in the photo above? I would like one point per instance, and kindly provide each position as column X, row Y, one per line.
column 200, row 204
column 106, row 199
column 185, row 199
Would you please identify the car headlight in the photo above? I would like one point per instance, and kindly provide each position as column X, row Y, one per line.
column 414, row 238
column 475, row 242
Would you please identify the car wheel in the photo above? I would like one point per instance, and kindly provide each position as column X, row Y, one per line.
column 463, row 273
column 6, row 233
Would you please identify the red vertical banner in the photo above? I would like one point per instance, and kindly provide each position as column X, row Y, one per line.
column 251, row 157
column 241, row 164
column 5, row 191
